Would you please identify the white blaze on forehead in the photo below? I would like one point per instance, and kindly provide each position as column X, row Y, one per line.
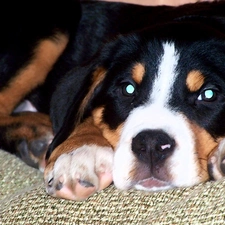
column 156, row 114
column 166, row 75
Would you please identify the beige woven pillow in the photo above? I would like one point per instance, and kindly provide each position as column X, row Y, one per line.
column 24, row 201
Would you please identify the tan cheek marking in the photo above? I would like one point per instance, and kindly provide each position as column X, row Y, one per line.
column 34, row 74
column 138, row 73
column 205, row 144
column 195, row 80
column 98, row 77
column 112, row 136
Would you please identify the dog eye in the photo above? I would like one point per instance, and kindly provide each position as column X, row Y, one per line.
column 128, row 89
column 208, row 95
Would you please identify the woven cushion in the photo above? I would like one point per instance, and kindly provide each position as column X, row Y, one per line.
column 24, row 201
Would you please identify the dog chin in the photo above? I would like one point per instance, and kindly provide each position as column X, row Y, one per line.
column 152, row 184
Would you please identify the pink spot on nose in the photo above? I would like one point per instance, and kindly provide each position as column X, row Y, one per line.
column 165, row 146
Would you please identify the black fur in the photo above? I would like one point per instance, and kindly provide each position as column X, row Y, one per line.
column 112, row 35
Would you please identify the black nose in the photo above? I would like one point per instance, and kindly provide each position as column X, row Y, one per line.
column 153, row 145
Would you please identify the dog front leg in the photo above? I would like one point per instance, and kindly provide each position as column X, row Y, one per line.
column 81, row 165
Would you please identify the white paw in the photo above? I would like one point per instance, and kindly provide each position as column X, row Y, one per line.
column 80, row 173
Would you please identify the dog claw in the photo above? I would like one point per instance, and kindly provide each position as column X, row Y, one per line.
column 50, row 182
column 85, row 183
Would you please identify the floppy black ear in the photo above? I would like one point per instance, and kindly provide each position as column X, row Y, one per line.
column 68, row 96
column 71, row 102
column 66, row 101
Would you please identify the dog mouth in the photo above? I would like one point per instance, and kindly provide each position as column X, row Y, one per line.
column 152, row 184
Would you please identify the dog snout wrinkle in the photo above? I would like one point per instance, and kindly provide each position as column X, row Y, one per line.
column 153, row 146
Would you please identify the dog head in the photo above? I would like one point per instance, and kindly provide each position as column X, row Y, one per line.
column 159, row 100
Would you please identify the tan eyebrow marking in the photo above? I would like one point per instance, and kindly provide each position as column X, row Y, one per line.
column 138, row 72
column 195, row 80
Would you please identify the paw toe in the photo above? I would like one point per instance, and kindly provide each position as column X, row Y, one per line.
column 105, row 179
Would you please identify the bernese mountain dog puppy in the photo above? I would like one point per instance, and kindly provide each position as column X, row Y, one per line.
column 98, row 92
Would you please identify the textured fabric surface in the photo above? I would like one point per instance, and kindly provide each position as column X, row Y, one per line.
column 24, row 201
